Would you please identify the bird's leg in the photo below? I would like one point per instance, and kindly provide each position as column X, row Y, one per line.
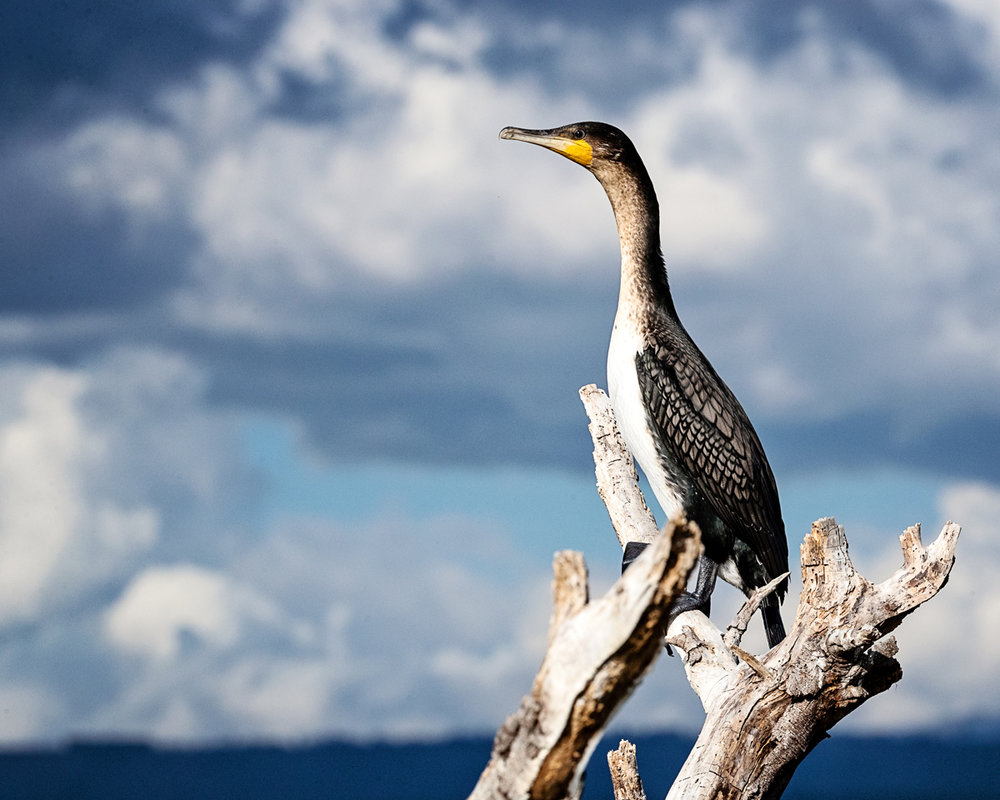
column 698, row 600
column 701, row 598
column 632, row 551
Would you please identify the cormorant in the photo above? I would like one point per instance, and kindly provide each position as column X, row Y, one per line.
column 681, row 422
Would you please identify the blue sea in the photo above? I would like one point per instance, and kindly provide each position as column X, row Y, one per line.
column 918, row 768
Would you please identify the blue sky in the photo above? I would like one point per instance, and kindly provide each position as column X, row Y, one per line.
column 290, row 342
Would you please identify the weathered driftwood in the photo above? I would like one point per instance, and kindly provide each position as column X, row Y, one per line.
column 763, row 714
column 624, row 768
column 597, row 654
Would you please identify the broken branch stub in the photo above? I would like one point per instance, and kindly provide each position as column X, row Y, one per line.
column 624, row 768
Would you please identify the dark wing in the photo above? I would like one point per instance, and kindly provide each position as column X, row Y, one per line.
column 710, row 434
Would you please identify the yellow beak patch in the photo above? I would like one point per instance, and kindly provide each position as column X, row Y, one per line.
column 578, row 150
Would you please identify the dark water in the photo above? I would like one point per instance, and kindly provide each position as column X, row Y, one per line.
column 841, row 767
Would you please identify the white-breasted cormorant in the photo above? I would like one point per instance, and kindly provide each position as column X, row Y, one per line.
column 681, row 422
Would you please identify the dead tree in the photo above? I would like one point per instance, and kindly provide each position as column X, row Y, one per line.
column 763, row 714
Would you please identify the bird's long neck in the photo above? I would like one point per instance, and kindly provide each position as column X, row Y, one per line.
column 643, row 277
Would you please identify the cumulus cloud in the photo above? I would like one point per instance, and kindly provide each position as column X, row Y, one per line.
column 325, row 230
column 99, row 467
column 935, row 690
column 52, row 518
column 121, row 506
column 382, row 629
column 306, row 629
column 162, row 604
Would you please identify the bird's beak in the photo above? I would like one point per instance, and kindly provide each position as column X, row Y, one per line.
column 576, row 150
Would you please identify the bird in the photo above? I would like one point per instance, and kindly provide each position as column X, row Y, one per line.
column 680, row 421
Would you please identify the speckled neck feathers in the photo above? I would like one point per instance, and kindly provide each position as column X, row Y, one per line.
column 644, row 279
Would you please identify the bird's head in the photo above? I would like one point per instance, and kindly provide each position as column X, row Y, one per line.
column 592, row 144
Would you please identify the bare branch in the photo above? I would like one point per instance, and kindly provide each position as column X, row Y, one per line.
column 625, row 780
column 738, row 627
column 617, row 480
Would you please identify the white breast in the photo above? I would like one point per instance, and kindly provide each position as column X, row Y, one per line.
column 623, row 389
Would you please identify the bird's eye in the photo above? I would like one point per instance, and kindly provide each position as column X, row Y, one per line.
column 578, row 133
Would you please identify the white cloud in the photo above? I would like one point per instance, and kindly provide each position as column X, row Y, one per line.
column 121, row 163
column 161, row 604
column 385, row 628
column 286, row 698
column 322, row 40
column 404, row 615
column 101, row 466
column 59, row 534
column 40, row 502
column 949, row 656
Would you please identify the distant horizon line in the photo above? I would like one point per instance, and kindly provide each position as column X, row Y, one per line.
column 979, row 730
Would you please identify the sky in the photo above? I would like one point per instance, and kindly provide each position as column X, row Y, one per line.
column 290, row 342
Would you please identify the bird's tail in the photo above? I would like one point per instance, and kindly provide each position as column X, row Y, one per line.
column 771, row 611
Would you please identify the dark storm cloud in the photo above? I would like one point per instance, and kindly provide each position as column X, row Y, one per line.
column 485, row 371
column 462, row 370
column 959, row 448
column 924, row 43
column 482, row 370
column 65, row 62
column 63, row 59
column 58, row 257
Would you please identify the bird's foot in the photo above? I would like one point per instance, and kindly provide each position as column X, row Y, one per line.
column 686, row 601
